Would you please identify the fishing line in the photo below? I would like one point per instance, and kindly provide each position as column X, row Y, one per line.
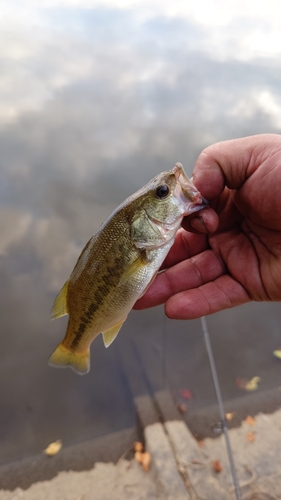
column 221, row 408
column 164, row 381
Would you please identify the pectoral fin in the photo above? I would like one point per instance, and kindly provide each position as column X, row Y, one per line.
column 140, row 262
column 60, row 305
column 111, row 334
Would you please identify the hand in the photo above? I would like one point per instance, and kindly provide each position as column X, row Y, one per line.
column 235, row 254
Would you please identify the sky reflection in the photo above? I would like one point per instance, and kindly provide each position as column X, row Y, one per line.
column 95, row 99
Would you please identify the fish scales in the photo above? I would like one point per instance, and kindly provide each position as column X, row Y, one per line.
column 96, row 293
column 119, row 262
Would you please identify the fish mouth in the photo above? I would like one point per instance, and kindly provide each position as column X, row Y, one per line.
column 197, row 205
column 191, row 197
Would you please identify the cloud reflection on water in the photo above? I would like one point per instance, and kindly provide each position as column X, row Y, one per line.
column 96, row 101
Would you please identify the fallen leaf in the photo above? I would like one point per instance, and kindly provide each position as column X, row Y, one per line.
column 146, row 461
column 185, row 393
column 277, row 353
column 138, row 456
column 229, row 416
column 138, row 446
column 250, row 420
column 53, row 448
column 250, row 437
column 217, row 466
column 144, row 458
column 252, row 385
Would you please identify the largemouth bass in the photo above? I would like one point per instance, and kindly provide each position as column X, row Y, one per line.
column 119, row 262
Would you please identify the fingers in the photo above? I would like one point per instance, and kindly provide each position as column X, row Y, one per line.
column 185, row 245
column 194, row 282
column 205, row 221
column 222, row 293
column 188, row 274
column 230, row 163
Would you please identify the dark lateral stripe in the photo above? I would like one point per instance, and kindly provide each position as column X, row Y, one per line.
column 107, row 281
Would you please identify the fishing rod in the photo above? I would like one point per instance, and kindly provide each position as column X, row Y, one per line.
column 221, row 407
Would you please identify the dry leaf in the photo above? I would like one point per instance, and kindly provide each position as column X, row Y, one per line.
column 217, row 466
column 185, row 393
column 252, row 385
column 250, row 420
column 201, row 443
column 146, row 461
column 53, row 448
column 144, row 458
column 138, row 456
column 250, row 437
column 277, row 353
column 138, row 446
column 229, row 416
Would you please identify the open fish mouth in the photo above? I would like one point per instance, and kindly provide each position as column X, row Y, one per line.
column 187, row 192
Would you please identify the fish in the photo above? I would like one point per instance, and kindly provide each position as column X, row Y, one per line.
column 119, row 263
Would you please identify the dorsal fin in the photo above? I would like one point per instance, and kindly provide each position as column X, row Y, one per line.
column 60, row 305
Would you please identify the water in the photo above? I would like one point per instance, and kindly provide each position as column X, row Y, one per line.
column 95, row 100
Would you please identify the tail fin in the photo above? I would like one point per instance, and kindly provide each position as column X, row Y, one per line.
column 63, row 357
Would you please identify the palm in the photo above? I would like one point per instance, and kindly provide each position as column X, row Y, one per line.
column 248, row 249
column 241, row 260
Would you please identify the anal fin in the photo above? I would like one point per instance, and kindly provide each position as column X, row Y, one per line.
column 60, row 305
column 112, row 332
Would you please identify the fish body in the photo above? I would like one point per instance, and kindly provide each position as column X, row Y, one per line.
column 119, row 262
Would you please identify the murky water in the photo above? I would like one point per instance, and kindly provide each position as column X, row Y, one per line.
column 94, row 102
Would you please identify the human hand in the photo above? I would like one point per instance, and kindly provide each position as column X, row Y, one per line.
column 236, row 255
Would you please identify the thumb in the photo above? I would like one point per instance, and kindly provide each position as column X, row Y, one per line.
column 230, row 163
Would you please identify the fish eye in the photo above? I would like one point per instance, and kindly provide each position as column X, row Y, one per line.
column 162, row 191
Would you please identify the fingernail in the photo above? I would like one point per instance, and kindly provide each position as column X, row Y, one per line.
column 197, row 223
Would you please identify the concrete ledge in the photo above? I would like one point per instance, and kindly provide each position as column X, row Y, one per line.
column 124, row 481
column 200, row 421
column 166, row 406
column 164, row 466
column 192, row 463
column 146, row 411
column 78, row 457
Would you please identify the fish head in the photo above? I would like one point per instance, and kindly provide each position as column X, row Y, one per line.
column 170, row 196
